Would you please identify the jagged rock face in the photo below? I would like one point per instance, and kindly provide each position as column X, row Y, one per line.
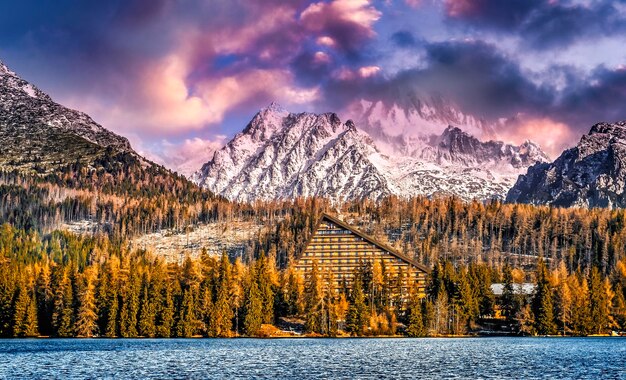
column 457, row 147
column 36, row 130
column 281, row 155
column 592, row 174
column 21, row 103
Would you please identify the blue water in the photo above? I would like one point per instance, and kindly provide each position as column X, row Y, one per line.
column 489, row 358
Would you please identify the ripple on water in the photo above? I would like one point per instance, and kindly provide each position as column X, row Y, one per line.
column 487, row 358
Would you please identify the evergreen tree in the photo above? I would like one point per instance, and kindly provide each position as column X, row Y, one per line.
column 186, row 318
column 165, row 314
column 508, row 302
column 130, row 304
column 543, row 307
column 31, row 324
column 265, row 282
column 63, row 312
column 598, row 303
column 415, row 327
column 357, row 312
column 24, row 314
column 253, row 306
column 147, row 309
column 313, row 300
column 86, row 316
column 222, row 313
column 44, row 298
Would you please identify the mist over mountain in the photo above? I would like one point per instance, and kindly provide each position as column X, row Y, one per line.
column 591, row 174
column 281, row 155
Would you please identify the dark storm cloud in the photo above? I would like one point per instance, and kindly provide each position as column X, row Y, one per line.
column 542, row 24
column 404, row 39
column 473, row 74
column 498, row 14
column 602, row 97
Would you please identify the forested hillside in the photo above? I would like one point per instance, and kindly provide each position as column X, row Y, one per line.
column 61, row 284
column 64, row 285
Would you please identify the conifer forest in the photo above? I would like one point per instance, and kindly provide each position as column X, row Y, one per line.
column 61, row 284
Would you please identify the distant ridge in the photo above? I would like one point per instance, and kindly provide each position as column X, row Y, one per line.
column 283, row 155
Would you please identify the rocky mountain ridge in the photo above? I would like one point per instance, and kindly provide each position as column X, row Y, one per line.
column 38, row 133
column 283, row 155
column 591, row 174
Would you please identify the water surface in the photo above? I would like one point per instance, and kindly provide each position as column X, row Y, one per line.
column 488, row 358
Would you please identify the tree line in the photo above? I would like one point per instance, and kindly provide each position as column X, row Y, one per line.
column 66, row 285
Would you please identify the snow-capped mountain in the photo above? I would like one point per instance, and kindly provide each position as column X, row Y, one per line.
column 36, row 131
column 284, row 155
column 413, row 118
column 591, row 174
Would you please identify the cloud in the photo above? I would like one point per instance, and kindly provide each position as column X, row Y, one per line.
column 186, row 157
column 541, row 24
column 368, row 71
column 347, row 22
column 552, row 136
column 480, row 78
column 492, row 13
column 601, row 97
column 404, row 39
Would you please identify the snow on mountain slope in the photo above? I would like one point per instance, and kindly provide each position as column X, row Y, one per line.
column 283, row 155
column 24, row 105
column 591, row 174
column 412, row 120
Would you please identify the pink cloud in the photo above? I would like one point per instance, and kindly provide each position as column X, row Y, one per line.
column 413, row 3
column 552, row 136
column 321, row 58
column 326, row 41
column 346, row 22
column 368, row 71
column 189, row 156
column 460, row 8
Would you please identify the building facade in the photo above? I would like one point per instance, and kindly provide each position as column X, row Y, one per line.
column 340, row 249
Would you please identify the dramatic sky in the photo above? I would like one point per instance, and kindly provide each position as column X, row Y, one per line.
column 180, row 76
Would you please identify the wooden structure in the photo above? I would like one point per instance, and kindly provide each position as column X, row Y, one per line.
column 341, row 249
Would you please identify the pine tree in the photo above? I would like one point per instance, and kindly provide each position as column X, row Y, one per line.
column 253, row 306
column 20, row 311
column 222, row 315
column 165, row 314
column 31, row 324
column 44, row 298
column 598, row 305
column 147, row 309
column 415, row 326
column 130, row 304
column 186, row 326
column 357, row 312
column 266, row 279
column 87, row 316
column 508, row 300
column 313, row 300
column 543, row 307
column 63, row 312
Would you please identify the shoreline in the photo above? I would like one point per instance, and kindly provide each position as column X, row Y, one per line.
column 399, row 337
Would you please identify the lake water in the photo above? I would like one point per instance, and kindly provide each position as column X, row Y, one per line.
column 494, row 358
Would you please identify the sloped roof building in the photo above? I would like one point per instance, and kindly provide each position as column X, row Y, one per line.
column 341, row 249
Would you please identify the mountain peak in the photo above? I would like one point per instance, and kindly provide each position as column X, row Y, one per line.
column 283, row 155
column 592, row 174
column 274, row 107
column 27, row 108
column 4, row 70
column 617, row 129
